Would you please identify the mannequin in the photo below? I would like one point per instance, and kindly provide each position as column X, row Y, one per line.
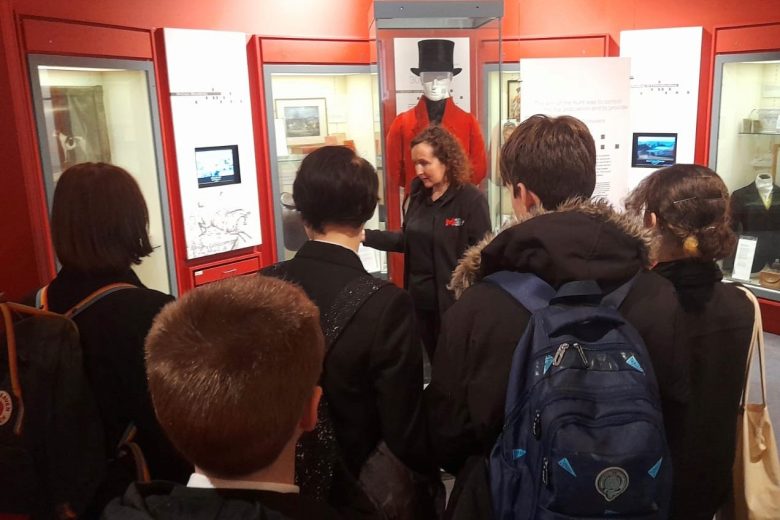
column 435, row 107
column 755, row 211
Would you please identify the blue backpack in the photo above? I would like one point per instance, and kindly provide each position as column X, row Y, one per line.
column 583, row 431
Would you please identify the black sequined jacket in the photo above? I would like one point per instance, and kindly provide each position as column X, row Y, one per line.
column 373, row 373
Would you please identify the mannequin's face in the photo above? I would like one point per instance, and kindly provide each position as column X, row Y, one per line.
column 436, row 85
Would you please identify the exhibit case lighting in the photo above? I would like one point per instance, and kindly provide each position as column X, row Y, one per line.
column 390, row 14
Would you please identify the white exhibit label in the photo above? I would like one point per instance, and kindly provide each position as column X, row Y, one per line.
column 596, row 91
column 746, row 250
column 665, row 65
column 215, row 153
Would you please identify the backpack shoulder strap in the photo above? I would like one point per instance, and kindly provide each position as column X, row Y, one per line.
column 42, row 298
column 346, row 304
column 616, row 297
column 96, row 296
column 529, row 290
column 7, row 310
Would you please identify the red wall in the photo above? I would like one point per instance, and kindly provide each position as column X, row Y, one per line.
column 301, row 18
column 25, row 262
column 25, row 258
column 565, row 17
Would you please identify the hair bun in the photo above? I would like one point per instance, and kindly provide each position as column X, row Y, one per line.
column 691, row 245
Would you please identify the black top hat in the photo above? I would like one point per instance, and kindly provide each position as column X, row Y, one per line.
column 435, row 56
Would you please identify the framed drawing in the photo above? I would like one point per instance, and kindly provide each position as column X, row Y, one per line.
column 513, row 99
column 80, row 125
column 305, row 120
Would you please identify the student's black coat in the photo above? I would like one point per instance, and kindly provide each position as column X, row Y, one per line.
column 588, row 240
column 718, row 323
column 372, row 376
column 113, row 331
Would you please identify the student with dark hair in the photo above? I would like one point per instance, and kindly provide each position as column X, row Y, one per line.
column 549, row 163
column 233, row 369
column 687, row 208
column 372, row 377
column 99, row 228
column 446, row 215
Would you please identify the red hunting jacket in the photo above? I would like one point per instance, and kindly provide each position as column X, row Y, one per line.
column 398, row 163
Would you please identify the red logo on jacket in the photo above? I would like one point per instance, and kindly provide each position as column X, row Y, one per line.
column 453, row 222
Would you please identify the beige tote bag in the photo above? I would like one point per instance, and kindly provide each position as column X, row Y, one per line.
column 756, row 466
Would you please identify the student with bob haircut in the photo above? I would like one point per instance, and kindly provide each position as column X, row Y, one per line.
column 549, row 164
column 233, row 369
column 99, row 227
column 372, row 376
column 445, row 216
column 686, row 206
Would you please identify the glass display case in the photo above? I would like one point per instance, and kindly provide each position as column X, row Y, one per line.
column 310, row 106
column 744, row 151
column 502, row 88
column 431, row 58
column 105, row 110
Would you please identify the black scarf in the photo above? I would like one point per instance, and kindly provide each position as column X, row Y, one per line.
column 693, row 279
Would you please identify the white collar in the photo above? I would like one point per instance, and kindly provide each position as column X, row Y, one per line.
column 202, row 481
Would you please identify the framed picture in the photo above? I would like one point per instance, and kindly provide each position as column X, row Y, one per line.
column 80, row 125
column 513, row 99
column 305, row 120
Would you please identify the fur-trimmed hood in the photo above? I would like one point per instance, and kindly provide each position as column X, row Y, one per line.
column 581, row 240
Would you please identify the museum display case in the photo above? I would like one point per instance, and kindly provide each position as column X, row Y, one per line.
column 745, row 143
column 431, row 59
column 502, row 92
column 310, row 106
column 105, row 110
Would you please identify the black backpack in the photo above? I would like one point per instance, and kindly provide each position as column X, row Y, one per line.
column 52, row 455
column 583, row 431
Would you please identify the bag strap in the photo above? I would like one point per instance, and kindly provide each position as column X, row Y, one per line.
column 529, row 290
column 127, row 442
column 42, row 298
column 7, row 309
column 95, row 297
column 756, row 343
column 534, row 294
column 615, row 298
column 346, row 304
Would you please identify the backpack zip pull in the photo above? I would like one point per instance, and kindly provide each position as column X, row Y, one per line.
column 559, row 354
column 582, row 355
column 536, row 428
column 545, row 471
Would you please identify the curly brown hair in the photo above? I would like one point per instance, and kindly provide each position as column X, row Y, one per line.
column 447, row 149
column 691, row 203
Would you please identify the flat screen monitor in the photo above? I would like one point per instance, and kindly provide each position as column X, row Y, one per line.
column 653, row 150
column 217, row 165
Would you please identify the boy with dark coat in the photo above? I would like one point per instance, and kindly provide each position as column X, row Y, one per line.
column 548, row 163
column 233, row 369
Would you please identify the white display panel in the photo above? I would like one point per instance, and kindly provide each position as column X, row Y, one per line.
column 596, row 91
column 408, row 88
column 665, row 69
column 209, row 84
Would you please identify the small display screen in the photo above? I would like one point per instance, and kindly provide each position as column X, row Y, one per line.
column 217, row 165
column 654, row 150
